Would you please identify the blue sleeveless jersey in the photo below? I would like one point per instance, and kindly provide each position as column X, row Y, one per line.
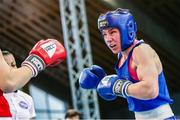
column 143, row 105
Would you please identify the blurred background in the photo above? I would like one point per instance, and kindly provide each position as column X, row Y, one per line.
column 24, row 22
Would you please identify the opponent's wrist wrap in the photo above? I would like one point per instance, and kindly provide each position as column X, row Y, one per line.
column 120, row 88
column 35, row 63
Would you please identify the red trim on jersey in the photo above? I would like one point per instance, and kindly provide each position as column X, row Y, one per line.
column 4, row 106
column 132, row 72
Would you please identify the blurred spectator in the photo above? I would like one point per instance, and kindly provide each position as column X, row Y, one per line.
column 72, row 114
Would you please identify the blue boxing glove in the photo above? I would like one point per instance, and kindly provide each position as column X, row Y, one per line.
column 90, row 77
column 111, row 86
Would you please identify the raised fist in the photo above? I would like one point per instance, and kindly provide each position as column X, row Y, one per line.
column 49, row 52
column 90, row 77
column 112, row 86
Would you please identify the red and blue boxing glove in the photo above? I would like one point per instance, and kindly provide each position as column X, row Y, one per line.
column 45, row 53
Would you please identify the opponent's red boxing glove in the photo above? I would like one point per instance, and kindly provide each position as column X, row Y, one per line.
column 45, row 53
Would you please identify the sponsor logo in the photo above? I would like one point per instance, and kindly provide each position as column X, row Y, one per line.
column 23, row 105
column 50, row 48
column 103, row 23
column 37, row 62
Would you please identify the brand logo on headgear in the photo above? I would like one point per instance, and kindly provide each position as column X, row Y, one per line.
column 103, row 23
column 50, row 48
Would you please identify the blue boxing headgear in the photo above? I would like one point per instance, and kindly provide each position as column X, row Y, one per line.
column 123, row 20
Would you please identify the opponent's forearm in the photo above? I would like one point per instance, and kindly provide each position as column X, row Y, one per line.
column 142, row 90
column 40, row 57
column 15, row 79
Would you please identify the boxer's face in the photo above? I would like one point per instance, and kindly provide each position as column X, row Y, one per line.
column 10, row 60
column 112, row 39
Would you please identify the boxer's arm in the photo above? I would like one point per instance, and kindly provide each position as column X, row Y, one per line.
column 12, row 79
column 147, row 71
column 45, row 53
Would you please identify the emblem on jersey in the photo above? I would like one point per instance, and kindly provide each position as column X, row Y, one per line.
column 50, row 48
column 23, row 105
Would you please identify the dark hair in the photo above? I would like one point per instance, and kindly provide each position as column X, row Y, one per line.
column 5, row 52
column 71, row 113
